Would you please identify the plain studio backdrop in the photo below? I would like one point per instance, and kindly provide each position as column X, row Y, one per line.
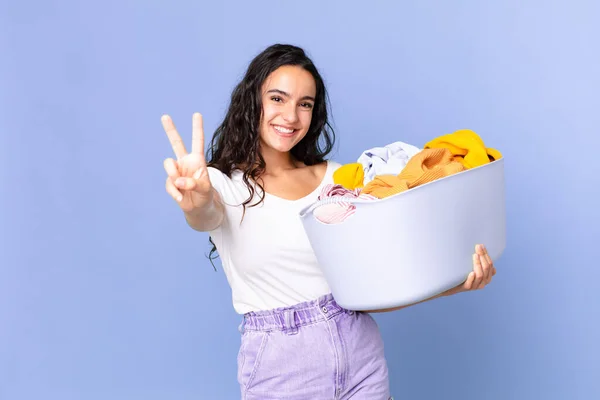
column 105, row 293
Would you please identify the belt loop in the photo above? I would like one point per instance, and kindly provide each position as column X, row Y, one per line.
column 241, row 326
column 290, row 322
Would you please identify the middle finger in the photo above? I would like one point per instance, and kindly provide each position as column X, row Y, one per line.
column 171, row 168
column 492, row 270
column 485, row 264
column 478, row 269
column 486, row 272
column 174, row 138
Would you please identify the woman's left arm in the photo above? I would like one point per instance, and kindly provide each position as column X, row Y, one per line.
column 483, row 271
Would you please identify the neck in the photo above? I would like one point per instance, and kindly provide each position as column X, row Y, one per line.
column 277, row 162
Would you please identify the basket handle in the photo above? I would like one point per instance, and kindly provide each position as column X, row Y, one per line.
column 332, row 200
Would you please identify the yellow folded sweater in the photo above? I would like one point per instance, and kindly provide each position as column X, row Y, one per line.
column 426, row 166
column 351, row 176
column 467, row 148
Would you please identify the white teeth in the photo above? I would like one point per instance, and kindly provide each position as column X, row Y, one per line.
column 282, row 129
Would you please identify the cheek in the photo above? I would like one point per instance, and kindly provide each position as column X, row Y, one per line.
column 306, row 119
column 265, row 118
column 269, row 112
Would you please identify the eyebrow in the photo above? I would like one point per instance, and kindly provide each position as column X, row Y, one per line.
column 288, row 95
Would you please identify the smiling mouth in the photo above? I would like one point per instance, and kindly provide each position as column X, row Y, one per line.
column 283, row 131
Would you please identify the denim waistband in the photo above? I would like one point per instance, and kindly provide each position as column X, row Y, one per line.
column 288, row 319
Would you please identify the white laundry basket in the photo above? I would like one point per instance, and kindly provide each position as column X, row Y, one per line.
column 413, row 245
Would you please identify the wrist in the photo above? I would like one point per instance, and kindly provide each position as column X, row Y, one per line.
column 204, row 206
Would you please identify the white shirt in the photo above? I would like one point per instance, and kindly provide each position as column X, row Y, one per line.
column 267, row 258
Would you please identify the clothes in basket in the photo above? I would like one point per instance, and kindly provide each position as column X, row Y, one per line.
column 387, row 160
column 441, row 157
column 467, row 148
column 337, row 212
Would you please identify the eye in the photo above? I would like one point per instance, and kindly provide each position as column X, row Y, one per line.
column 307, row 105
column 276, row 98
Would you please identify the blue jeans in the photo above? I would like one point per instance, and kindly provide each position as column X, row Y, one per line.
column 314, row 350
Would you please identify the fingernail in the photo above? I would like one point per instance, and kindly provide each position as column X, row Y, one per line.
column 179, row 198
column 197, row 174
column 180, row 182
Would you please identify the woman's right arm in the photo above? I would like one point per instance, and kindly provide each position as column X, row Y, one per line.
column 206, row 218
column 188, row 181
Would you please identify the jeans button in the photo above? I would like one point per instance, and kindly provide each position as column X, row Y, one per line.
column 325, row 309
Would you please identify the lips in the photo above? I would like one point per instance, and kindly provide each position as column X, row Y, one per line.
column 283, row 131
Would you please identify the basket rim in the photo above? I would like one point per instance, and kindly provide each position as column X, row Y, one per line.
column 311, row 207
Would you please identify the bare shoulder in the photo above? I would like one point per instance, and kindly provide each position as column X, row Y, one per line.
column 318, row 170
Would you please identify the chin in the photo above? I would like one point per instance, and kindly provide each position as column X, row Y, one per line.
column 281, row 144
column 281, row 148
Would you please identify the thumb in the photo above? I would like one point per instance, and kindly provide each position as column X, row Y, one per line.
column 201, row 181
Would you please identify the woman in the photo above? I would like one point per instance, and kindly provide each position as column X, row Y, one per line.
column 266, row 162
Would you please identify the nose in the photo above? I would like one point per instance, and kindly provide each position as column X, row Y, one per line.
column 290, row 113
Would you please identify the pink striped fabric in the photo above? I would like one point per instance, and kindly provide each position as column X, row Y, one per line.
column 338, row 212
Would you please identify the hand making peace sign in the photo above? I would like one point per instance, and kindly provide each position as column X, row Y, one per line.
column 188, row 181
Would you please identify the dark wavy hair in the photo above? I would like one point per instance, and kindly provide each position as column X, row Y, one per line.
column 236, row 145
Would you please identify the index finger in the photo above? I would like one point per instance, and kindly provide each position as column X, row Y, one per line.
column 197, row 134
column 174, row 138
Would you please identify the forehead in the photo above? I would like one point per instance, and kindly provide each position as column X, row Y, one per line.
column 291, row 79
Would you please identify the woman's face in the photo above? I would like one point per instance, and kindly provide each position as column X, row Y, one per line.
column 288, row 99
